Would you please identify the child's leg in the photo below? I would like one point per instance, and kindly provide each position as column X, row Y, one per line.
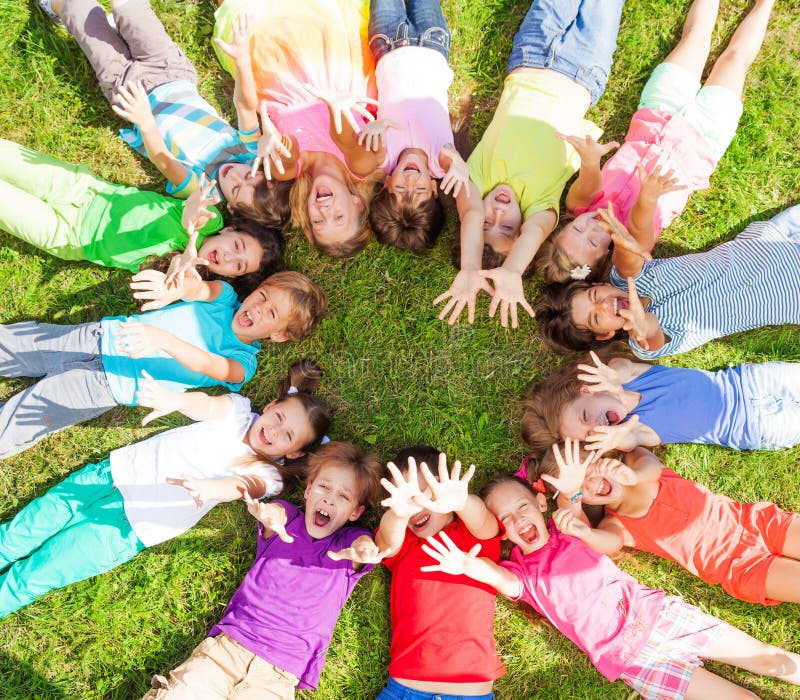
column 95, row 538
column 156, row 58
column 734, row 647
column 106, row 51
column 388, row 26
column 31, row 349
column 576, row 38
column 705, row 685
column 731, row 67
column 691, row 51
column 430, row 25
column 43, row 201
column 782, row 578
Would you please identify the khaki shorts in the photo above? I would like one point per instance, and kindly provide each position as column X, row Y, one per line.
column 220, row 667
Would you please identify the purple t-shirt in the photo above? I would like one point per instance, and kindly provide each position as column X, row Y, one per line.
column 606, row 612
column 288, row 603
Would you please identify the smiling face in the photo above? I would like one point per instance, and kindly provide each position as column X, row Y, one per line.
column 282, row 430
column 231, row 253
column 582, row 415
column 264, row 315
column 597, row 309
column 411, row 181
column 585, row 240
column 425, row 523
column 521, row 513
column 333, row 210
column 502, row 219
column 600, row 490
column 332, row 500
column 237, row 185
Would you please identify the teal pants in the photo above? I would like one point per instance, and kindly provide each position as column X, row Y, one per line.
column 78, row 529
column 43, row 201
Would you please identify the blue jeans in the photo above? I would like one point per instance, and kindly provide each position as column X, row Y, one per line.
column 397, row 691
column 576, row 38
column 392, row 24
column 773, row 390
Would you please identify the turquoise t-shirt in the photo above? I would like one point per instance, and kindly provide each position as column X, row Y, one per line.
column 124, row 226
column 205, row 324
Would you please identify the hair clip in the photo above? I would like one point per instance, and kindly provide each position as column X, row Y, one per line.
column 292, row 390
column 325, row 440
column 580, row 273
column 539, row 486
column 522, row 472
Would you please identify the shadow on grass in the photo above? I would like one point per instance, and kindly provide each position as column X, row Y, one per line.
column 21, row 682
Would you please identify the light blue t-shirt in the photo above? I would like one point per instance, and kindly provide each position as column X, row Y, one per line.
column 205, row 324
column 749, row 282
column 693, row 405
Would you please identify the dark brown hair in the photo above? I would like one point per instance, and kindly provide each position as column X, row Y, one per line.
column 271, row 206
column 345, row 454
column 397, row 222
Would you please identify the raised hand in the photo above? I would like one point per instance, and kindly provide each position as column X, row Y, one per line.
column 271, row 148
column 137, row 340
column 450, row 491
column 152, row 285
column 508, row 293
column 239, row 47
column 403, row 491
column 463, row 292
column 572, row 471
column 342, row 104
column 201, row 490
column 614, row 469
column 362, row 551
column 614, row 437
column 271, row 515
column 457, row 175
column 657, row 182
column 600, row 377
column 588, row 149
column 620, row 235
column 635, row 317
column 151, row 394
column 373, row 135
column 570, row 524
column 450, row 559
column 195, row 215
column 133, row 104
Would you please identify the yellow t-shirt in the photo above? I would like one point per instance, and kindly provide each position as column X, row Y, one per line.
column 520, row 147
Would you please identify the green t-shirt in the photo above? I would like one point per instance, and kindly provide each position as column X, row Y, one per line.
column 520, row 148
column 124, row 226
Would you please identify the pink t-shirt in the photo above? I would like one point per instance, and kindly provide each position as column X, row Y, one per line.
column 412, row 91
column 655, row 138
column 607, row 613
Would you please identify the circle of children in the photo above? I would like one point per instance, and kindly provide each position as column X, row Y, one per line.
column 312, row 147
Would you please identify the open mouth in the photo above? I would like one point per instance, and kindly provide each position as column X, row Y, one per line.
column 213, row 257
column 244, row 319
column 321, row 517
column 612, row 418
column 604, row 488
column 620, row 303
column 411, row 167
column 529, row 534
column 420, row 522
column 502, row 197
column 262, row 434
column 324, row 195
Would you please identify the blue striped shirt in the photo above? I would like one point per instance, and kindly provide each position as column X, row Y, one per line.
column 751, row 281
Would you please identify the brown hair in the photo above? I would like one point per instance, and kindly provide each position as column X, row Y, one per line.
column 555, row 265
column 345, row 454
column 309, row 302
column 271, row 206
column 553, row 312
column 363, row 189
column 397, row 222
column 490, row 258
column 421, row 453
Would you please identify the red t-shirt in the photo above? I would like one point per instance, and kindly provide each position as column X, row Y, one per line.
column 442, row 625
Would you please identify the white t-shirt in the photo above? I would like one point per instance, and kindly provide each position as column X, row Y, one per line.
column 158, row 511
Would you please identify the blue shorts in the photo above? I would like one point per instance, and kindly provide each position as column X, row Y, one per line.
column 393, row 24
column 398, row 691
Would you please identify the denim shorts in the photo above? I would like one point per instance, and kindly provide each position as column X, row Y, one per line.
column 576, row 38
column 393, row 24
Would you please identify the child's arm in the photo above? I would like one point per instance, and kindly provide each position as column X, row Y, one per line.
column 275, row 150
column 196, row 405
column 232, row 488
column 245, row 98
column 271, row 515
column 362, row 551
column 135, row 107
column 344, row 130
column 640, row 220
column 642, row 326
column 452, row 560
column 468, row 282
column 645, row 465
column 154, row 287
column 590, row 179
column 607, row 538
column 507, row 279
column 140, row 340
column 401, row 506
column 450, row 494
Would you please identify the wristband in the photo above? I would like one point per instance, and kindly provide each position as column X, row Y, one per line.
column 575, row 497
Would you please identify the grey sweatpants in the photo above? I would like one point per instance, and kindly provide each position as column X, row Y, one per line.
column 141, row 50
column 73, row 387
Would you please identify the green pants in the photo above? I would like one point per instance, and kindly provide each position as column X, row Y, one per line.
column 78, row 529
column 43, row 201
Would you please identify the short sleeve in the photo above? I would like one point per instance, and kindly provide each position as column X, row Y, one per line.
column 227, row 296
column 515, row 569
column 185, row 188
column 250, row 139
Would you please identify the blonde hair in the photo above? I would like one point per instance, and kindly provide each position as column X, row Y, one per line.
column 556, row 265
column 309, row 302
column 363, row 189
column 365, row 465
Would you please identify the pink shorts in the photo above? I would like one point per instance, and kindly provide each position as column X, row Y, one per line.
column 663, row 668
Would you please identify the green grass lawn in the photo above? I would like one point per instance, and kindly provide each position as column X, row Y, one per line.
column 394, row 373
